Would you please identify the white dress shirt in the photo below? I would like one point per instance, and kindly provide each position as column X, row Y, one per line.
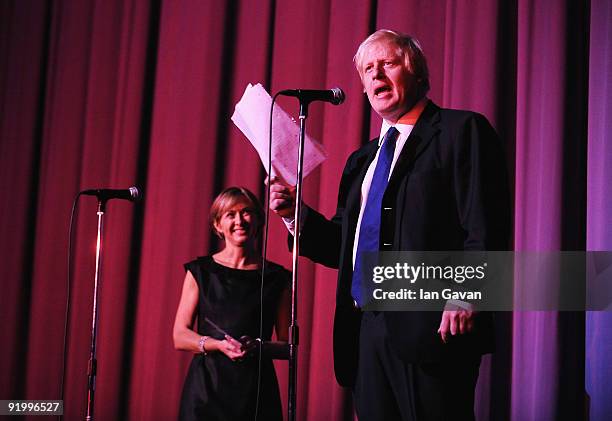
column 404, row 131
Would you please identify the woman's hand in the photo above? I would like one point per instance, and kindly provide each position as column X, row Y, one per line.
column 230, row 347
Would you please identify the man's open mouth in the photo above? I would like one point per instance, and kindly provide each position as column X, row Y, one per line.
column 381, row 89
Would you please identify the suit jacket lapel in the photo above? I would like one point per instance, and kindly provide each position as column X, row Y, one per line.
column 353, row 202
column 420, row 137
column 351, row 214
column 422, row 133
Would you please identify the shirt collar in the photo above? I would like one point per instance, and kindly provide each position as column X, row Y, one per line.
column 406, row 122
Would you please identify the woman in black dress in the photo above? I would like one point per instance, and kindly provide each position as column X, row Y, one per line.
column 225, row 290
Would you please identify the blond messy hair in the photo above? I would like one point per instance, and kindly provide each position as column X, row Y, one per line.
column 408, row 47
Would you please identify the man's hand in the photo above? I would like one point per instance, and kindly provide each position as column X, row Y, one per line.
column 457, row 322
column 282, row 197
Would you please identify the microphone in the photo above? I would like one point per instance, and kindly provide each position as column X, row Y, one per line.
column 334, row 95
column 132, row 194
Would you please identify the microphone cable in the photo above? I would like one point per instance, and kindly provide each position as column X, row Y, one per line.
column 263, row 258
column 75, row 202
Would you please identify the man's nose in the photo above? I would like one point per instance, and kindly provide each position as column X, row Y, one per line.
column 378, row 71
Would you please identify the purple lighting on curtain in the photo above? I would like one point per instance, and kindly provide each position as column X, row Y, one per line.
column 599, row 191
column 541, row 28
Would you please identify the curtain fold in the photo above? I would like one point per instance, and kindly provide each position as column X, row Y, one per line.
column 599, row 208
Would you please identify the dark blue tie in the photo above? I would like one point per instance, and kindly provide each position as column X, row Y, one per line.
column 369, row 231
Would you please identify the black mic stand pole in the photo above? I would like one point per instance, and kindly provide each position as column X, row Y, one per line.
column 293, row 328
column 91, row 366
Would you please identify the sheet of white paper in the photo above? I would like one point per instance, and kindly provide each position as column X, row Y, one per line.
column 252, row 117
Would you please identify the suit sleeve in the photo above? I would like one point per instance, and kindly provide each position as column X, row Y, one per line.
column 321, row 238
column 481, row 186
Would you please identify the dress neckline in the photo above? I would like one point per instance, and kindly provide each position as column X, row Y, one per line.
column 210, row 263
column 221, row 265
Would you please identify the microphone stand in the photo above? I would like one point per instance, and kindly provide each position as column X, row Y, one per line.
column 293, row 327
column 91, row 365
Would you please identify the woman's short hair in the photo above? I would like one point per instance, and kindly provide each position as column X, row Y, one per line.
column 228, row 198
column 408, row 47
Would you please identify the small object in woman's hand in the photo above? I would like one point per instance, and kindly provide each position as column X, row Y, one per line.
column 236, row 345
column 248, row 343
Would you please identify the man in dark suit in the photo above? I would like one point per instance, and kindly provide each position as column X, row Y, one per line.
column 434, row 180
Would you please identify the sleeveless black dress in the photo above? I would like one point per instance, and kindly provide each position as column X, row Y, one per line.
column 217, row 388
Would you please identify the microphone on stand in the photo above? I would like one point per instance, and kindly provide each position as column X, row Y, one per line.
column 334, row 95
column 133, row 194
